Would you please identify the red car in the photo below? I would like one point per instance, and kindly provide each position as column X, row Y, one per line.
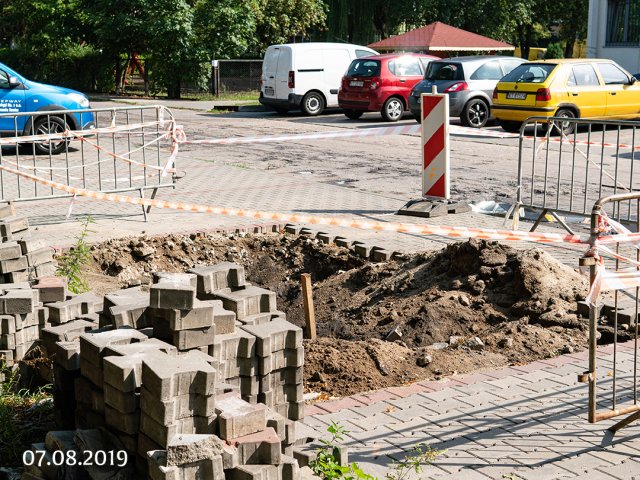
column 381, row 83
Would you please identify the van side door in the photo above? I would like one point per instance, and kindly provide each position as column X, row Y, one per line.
column 336, row 64
column 12, row 100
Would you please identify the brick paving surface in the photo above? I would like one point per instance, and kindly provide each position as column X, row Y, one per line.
column 511, row 423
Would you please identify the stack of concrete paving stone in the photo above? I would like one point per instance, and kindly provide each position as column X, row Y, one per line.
column 21, row 319
column 203, row 358
column 261, row 353
column 22, row 257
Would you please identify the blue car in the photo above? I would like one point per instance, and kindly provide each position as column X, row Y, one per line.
column 19, row 95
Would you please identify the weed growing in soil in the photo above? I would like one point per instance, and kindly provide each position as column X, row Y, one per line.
column 71, row 263
column 421, row 455
column 327, row 467
column 25, row 417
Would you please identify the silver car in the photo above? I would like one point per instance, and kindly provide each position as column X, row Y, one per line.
column 469, row 82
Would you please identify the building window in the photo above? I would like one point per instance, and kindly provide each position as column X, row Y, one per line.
column 623, row 23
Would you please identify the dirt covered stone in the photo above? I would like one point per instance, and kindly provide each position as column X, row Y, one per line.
column 377, row 322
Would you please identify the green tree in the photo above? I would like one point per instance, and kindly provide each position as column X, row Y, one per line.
column 225, row 28
column 572, row 17
column 280, row 21
column 554, row 50
column 119, row 29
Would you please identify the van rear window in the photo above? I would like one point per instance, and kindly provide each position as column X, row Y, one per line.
column 444, row 71
column 530, row 73
column 364, row 68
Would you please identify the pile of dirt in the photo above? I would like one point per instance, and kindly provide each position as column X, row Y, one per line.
column 469, row 306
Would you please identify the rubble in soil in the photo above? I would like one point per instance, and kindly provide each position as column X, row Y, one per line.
column 470, row 306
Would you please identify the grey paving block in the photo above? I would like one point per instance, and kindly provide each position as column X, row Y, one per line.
column 166, row 376
column 219, row 276
column 51, row 288
column 19, row 301
column 174, row 291
column 125, row 402
column 67, row 354
column 163, row 434
column 128, row 423
column 258, row 448
column 93, row 344
column 131, row 315
column 249, row 300
column 66, row 332
column 237, row 418
column 274, row 336
column 10, row 250
column 39, row 257
column 177, row 407
column 13, row 265
column 29, row 245
column 189, row 448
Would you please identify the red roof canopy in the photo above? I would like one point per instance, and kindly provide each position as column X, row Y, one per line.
column 439, row 36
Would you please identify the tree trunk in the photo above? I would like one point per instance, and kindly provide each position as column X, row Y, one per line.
column 118, row 70
column 568, row 48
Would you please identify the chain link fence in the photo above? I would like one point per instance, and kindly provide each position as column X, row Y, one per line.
column 240, row 75
column 234, row 76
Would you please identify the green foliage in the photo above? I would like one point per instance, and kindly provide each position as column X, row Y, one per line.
column 554, row 50
column 280, row 21
column 327, row 468
column 420, row 455
column 25, row 417
column 71, row 263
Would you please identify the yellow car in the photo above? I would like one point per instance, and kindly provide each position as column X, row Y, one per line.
column 568, row 88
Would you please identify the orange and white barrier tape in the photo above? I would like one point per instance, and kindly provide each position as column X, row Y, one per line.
column 365, row 132
column 442, row 230
column 71, row 134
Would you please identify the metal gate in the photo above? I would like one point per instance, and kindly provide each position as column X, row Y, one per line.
column 615, row 267
column 119, row 149
column 565, row 174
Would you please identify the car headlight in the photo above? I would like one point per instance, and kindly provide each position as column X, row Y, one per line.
column 79, row 99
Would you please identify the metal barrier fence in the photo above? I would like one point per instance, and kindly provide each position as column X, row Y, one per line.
column 565, row 175
column 106, row 149
column 620, row 394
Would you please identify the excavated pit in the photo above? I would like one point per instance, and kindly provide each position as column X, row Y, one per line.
column 470, row 306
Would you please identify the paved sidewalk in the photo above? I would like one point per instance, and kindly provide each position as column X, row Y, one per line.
column 524, row 422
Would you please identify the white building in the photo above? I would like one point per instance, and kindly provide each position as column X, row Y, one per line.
column 614, row 32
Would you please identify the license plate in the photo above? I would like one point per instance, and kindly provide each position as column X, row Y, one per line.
column 268, row 91
column 516, row 95
column 356, row 83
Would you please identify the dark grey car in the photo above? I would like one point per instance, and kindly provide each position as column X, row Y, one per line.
column 469, row 82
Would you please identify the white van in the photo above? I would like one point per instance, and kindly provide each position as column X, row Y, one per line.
column 306, row 76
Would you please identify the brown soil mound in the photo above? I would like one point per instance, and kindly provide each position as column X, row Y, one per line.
column 471, row 305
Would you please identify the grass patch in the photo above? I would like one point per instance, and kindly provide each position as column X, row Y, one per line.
column 25, row 418
column 225, row 96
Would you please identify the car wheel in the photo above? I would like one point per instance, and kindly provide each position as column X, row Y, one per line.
column 392, row 109
column 566, row 128
column 313, row 104
column 475, row 113
column 511, row 127
column 50, row 125
column 353, row 114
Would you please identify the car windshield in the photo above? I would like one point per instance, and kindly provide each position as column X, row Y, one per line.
column 530, row 73
column 444, row 71
column 364, row 68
